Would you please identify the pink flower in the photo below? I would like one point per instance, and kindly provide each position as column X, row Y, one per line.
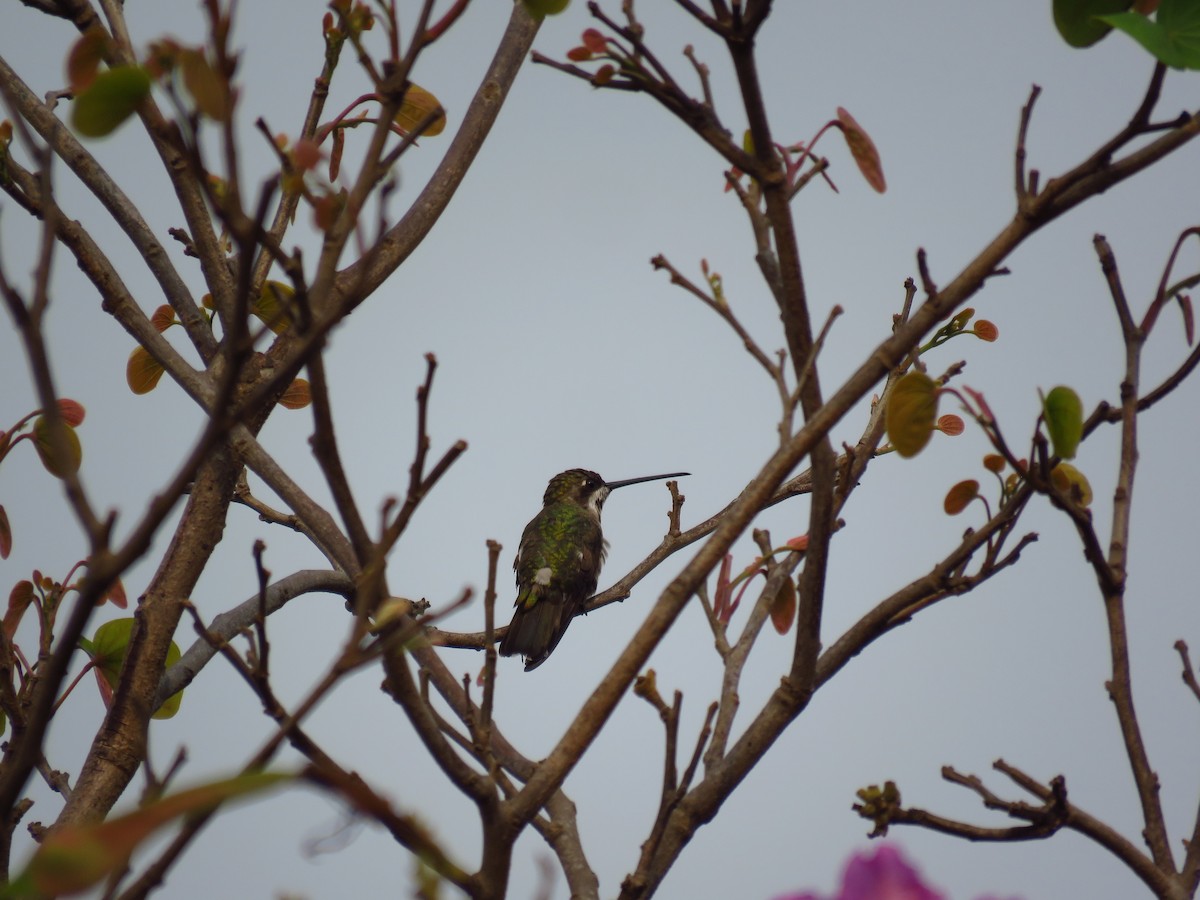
column 882, row 875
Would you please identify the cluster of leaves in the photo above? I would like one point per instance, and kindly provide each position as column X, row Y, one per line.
column 783, row 605
column 45, row 595
column 420, row 115
column 107, row 650
column 274, row 307
column 1168, row 29
column 911, row 412
column 108, row 85
column 61, row 453
column 912, row 418
column 347, row 20
column 983, row 329
column 795, row 156
column 878, row 804
column 912, row 403
column 106, row 97
column 617, row 60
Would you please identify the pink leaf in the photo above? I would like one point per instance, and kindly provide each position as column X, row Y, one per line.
column 115, row 595
column 721, row 597
column 5, row 535
column 862, row 148
column 798, row 543
column 19, row 599
column 72, row 412
column 950, row 425
column 594, row 41
column 783, row 608
column 1185, row 307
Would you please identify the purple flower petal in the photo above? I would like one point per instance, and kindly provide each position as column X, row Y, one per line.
column 883, row 875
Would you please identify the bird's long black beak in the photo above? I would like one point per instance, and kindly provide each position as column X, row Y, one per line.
column 613, row 485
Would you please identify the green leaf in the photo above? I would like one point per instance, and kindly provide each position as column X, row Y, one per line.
column 1173, row 37
column 911, row 411
column 110, row 99
column 1064, row 420
column 541, row 8
column 52, row 451
column 109, row 646
column 1077, row 22
column 171, row 705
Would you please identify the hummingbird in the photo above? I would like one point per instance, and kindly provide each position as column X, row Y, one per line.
column 558, row 561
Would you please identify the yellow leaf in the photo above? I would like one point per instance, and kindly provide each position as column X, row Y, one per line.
column 163, row 318
column 143, row 371
column 297, row 396
column 49, row 449
column 207, row 88
column 1073, row 483
column 274, row 306
column 418, row 104
column 911, row 413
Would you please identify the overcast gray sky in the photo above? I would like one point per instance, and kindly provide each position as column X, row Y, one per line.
column 560, row 347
